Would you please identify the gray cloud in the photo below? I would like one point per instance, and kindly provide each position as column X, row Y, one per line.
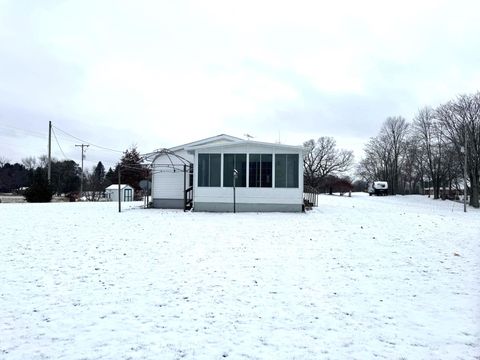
column 158, row 74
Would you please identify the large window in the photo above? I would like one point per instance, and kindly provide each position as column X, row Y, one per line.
column 286, row 170
column 209, row 169
column 260, row 170
column 237, row 162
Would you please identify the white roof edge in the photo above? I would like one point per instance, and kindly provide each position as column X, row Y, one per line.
column 209, row 139
column 241, row 142
column 115, row 186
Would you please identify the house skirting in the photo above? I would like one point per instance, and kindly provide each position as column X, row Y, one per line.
column 168, row 203
column 245, row 207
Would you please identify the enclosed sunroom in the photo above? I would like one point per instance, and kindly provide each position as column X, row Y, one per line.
column 267, row 177
column 225, row 173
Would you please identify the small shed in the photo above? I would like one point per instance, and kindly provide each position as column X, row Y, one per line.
column 126, row 192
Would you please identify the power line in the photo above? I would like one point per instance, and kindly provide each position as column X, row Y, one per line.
column 55, row 136
column 43, row 136
column 27, row 131
column 88, row 142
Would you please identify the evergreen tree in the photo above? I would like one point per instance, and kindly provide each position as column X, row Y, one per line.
column 39, row 191
column 99, row 173
column 13, row 177
column 65, row 176
column 96, row 182
column 132, row 170
column 111, row 176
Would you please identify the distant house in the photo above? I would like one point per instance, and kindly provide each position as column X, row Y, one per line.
column 126, row 192
column 448, row 193
column 202, row 175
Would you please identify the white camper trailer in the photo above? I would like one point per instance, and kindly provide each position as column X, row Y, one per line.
column 378, row 188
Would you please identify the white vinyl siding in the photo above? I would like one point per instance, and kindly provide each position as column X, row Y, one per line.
column 168, row 185
column 167, row 182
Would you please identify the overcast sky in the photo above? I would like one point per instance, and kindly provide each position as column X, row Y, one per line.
column 162, row 73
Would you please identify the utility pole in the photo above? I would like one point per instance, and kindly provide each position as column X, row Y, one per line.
column 119, row 191
column 49, row 171
column 465, row 173
column 81, row 177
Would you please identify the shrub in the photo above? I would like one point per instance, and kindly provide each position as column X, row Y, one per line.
column 39, row 191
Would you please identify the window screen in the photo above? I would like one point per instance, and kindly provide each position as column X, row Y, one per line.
column 286, row 170
column 238, row 162
column 260, row 170
column 209, row 170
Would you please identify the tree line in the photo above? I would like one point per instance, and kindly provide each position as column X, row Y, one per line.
column 30, row 177
column 429, row 151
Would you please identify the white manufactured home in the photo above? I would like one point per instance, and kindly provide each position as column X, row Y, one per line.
column 225, row 174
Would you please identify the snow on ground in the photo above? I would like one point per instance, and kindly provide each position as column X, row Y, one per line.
column 359, row 278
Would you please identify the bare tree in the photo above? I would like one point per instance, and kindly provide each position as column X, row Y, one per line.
column 322, row 158
column 393, row 134
column 429, row 150
column 29, row 162
column 429, row 134
column 461, row 121
column 412, row 167
column 393, row 155
column 375, row 164
column 3, row 161
column 43, row 161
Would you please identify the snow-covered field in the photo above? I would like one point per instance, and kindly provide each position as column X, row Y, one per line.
column 357, row 278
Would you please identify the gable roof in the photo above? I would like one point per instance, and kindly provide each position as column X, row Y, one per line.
column 213, row 139
column 115, row 187
column 245, row 142
column 219, row 139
